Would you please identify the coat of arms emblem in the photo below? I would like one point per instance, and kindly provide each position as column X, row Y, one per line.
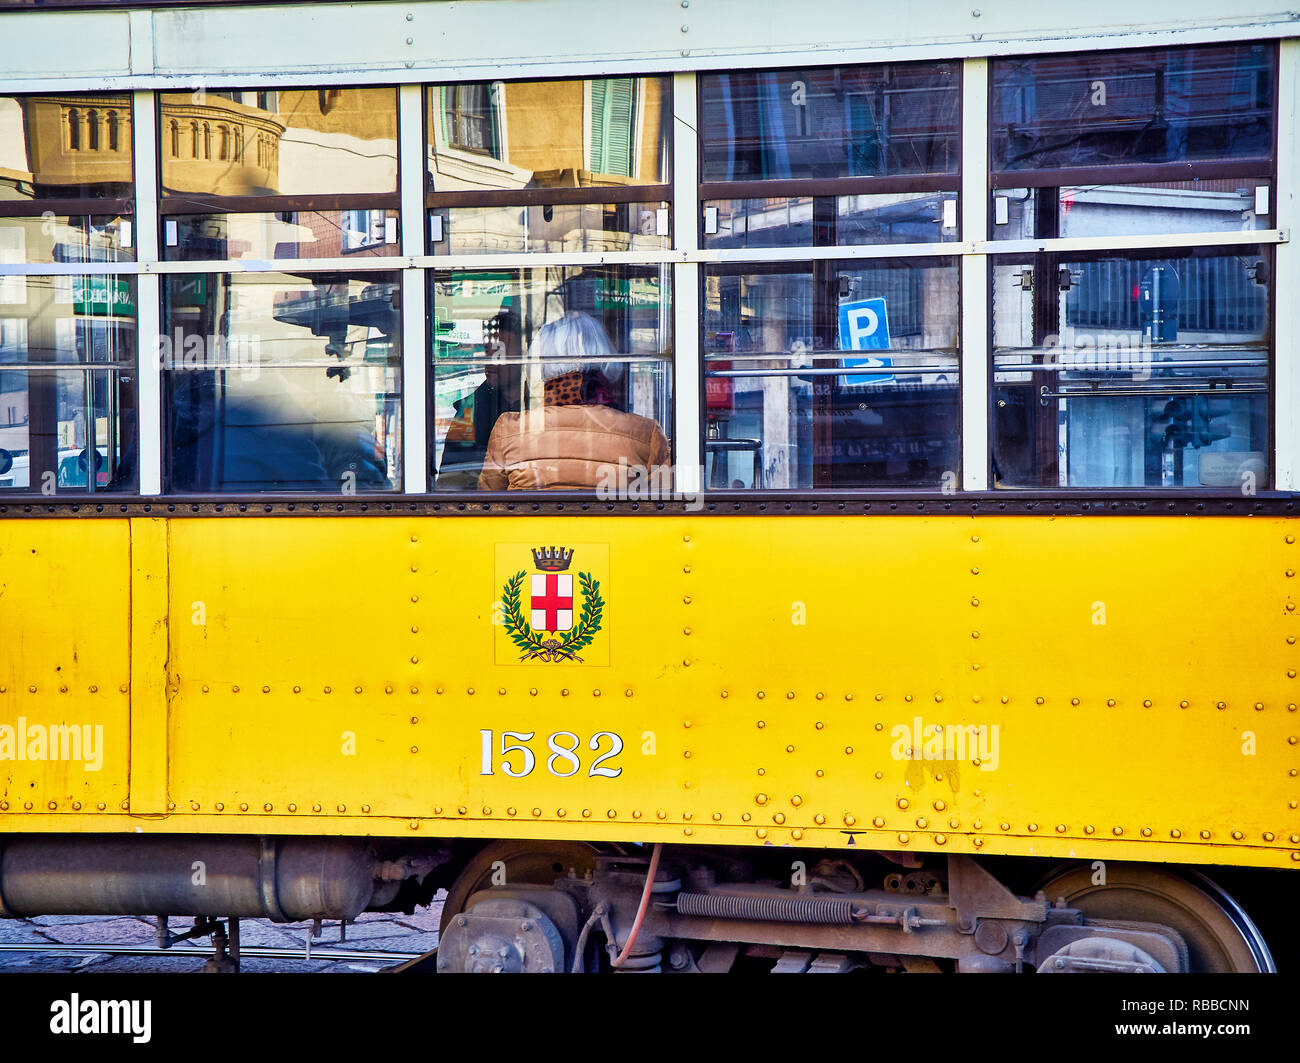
column 555, row 626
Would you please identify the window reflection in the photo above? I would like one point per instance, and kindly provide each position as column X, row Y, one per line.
column 65, row 147
column 283, row 234
column 1119, row 108
column 830, row 122
column 567, row 369
column 842, row 375
column 293, row 142
column 548, row 134
column 58, row 423
column 278, row 382
column 1132, row 370
column 552, row 227
column 1209, row 205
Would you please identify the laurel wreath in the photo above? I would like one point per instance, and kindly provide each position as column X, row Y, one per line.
column 533, row 643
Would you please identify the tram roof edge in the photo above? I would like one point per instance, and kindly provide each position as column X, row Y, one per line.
column 91, row 45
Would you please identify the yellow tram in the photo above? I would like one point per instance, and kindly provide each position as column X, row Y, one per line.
column 959, row 633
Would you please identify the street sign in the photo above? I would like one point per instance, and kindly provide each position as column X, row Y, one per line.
column 864, row 326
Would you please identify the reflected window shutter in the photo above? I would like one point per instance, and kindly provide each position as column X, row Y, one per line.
column 612, row 123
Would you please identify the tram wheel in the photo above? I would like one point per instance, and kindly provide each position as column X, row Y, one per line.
column 1220, row 935
column 534, row 863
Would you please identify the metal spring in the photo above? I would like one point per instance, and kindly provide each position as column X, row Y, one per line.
column 772, row 909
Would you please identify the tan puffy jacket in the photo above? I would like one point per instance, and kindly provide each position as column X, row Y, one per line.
column 571, row 447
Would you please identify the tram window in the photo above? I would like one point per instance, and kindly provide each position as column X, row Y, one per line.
column 67, row 389
column 575, row 227
column 512, row 346
column 802, row 221
column 281, row 382
column 836, row 375
column 1134, row 369
column 294, row 142
column 66, row 238
column 47, row 153
column 1164, row 105
column 525, row 135
column 830, row 122
column 1108, row 208
column 281, row 235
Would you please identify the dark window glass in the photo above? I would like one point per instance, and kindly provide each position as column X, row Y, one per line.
column 1117, row 108
column 827, row 122
column 553, row 227
column 281, row 382
column 1132, row 370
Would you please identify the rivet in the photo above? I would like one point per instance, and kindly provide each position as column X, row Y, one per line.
column 1291, row 739
column 688, row 816
column 469, row 690
column 415, row 749
column 1205, row 834
column 53, row 806
column 954, row 823
column 974, row 634
column 686, row 631
column 975, row 601
column 977, row 842
column 636, row 813
column 819, row 819
column 760, row 833
column 939, row 806
column 205, row 688
column 724, row 695
column 1089, row 829
column 940, row 839
column 978, row 824
column 746, row 816
column 903, row 802
column 1259, row 706
column 292, row 807
column 848, row 750
column 1175, row 833
column 778, row 817
column 974, row 571
column 760, row 724
column 124, row 688
column 314, row 808
column 415, row 690
column 717, row 817
column 762, row 771
column 903, row 838
column 93, row 689
column 789, row 695
column 538, row 812
column 1038, row 700
column 31, row 690
column 501, row 690
column 761, row 695
column 1238, row 835
column 922, row 822
column 329, row 690
column 686, row 600
column 28, row 805
column 686, row 754
column 688, row 831
column 1291, row 707
column 1182, row 704
column 849, row 821
column 848, row 697
column 437, row 810
column 1220, row 704
column 586, row 813
column 686, row 662
column 1033, row 827
column 560, row 812
column 243, row 806
column 907, row 697
column 234, row 689
column 1117, row 831
column 1290, row 538
column 1146, row 832
column 342, row 808
column 1074, row 701
column 796, row 834
column 789, row 749
column 819, row 725
column 974, row 538
column 820, row 695
column 1060, row 828
column 461, row 809
column 1004, row 699
column 938, row 697
column 760, row 799
column 1268, row 835
column 1146, row 703
column 415, row 597
column 686, row 569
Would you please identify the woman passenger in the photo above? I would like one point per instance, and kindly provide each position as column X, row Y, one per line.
column 578, row 439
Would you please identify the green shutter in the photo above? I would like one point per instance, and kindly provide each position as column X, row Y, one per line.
column 613, row 122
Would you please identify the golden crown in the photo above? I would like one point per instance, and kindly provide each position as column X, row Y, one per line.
column 552, row 558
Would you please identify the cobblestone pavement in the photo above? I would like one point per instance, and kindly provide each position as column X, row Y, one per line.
column 386, row 931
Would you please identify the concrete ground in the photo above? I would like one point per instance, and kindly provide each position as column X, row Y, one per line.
column 394, row 932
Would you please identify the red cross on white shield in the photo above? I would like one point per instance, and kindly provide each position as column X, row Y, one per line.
column 552, row 602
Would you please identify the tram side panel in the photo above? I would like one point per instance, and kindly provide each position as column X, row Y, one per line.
column 65, row 672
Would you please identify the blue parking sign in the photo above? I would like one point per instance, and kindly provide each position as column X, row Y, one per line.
column 864, row 326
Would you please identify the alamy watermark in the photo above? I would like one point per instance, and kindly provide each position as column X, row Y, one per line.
column 55, row 741
column 637, row 483
column 949, row 742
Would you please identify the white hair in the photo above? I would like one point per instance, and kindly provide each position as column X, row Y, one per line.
column 575, row 335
